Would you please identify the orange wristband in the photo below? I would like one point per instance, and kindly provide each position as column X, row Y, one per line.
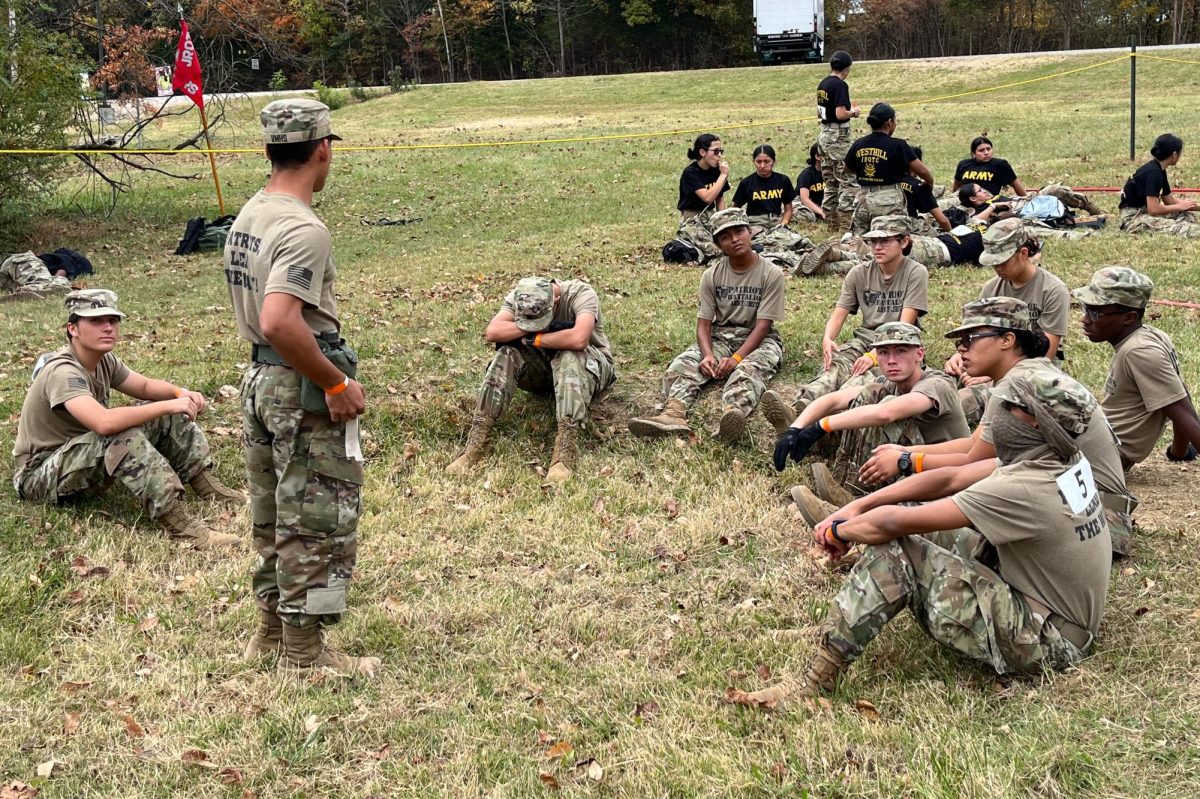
column 339, row 388
column 737, row 357
column 825, row 425
column 178, row 392
column 918, row 462
column 537, row 340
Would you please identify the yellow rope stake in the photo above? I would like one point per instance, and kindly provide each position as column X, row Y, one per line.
column 578, row 139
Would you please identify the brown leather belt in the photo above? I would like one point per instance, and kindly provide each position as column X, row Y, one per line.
column 1079, row 636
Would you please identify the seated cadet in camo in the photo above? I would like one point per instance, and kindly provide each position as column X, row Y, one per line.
column 550, row 339
column 1147, row 203
column 702, row 187
column 1144, row 387
column 891, row 287
column 766, row 196
column 990, row 208
column 836, row 256
column 993, row 175
column 881, row 161
column 71, row 444
column 921, row 204
column 24, row 276
column 1010, row 250
column 810, row 190
column 741, row 299
column 909, row 405
column 1011, row 571
column 997, row 340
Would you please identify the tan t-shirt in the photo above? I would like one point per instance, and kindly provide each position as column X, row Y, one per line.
column 1098, row 443
column 277, row 244
column 944, row 421
column 882, row 299
column 1143, row 378
column 1047, row 551
column 45, row 423
column 577, row 298
column 1048, row 299
column 739, row 299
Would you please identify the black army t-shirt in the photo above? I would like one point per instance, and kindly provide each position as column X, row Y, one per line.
column 761, row 196
column 832, row 94
column 963, row 249
column 992, row 175
column 1149, row 181
column 693, row 178
column 811, row 179
column 917, row 196
column 879, row 159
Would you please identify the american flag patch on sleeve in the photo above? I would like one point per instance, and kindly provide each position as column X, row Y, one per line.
column 77, row 383
column 301, row 276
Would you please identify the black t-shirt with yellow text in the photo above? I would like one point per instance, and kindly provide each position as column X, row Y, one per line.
column 879, row 159
column 693, row 178
column 992, row 175
column 811, row 179
column 918, row 196
column 832, row 93
column 761, row 196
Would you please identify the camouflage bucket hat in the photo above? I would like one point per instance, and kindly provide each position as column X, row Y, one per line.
column 729, row 218
column 1067, row 402
column 1116, row 285
column 885, row 227
column 1002, row 241
column 1006, row 313
column 92, row 302
column 533, row 301
column 296, row 120
column 898, row 333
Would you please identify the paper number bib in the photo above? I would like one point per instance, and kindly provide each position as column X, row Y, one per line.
column 1077, row 485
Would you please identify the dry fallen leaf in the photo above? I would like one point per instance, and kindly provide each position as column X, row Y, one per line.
column 867, row 709
column 764, row 672
column 548, row 779
column 737, row 696
column 671, row 506
column 230, row 776
column 312, row 724
column 71, row 722
column 148, row 624
column 75, row 686
column 196, row 757
column 227, row 391
column 595, row 772
column 17, row 790
column 50, row 768
column 132, row 728
column 560, row 749
column 646, row 710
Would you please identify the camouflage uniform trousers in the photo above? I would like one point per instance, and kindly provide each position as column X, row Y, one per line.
column 574, row 377
column 960, row 602
column 873, row 201
column 801, row 213
column 744, row 385
column 305, row 500
column 693, row 230
column 152, row 461
column 833, row 145
column 1182, row 224
column 926, row 250
column 840, row 367
column 854, row 447
column 26, row 271
column 781, row 245
column 1068, row 196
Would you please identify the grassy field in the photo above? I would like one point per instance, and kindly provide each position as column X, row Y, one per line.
column 575, row 641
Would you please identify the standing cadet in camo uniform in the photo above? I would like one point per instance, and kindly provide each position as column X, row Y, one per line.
column 300, row 401
column 741, row 299
column 70, row 443
column 549, row 338
column 834, row 112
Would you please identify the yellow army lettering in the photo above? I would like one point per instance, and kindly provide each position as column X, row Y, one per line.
column 978, row 174
column 769, row 194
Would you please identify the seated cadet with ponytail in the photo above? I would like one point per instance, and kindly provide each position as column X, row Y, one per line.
column 765, row 194
column 1147, row 203
column 810, row 190
column 702, row 188
column 881, row 161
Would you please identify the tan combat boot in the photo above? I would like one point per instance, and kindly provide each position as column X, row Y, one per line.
column 267, row 638
column 1092, row 208
column 828, row 488
column 820, row 678
column 208, row 487
column 477, row 443
column 566, row 451
column 305, row 653
column 672, row 421
column 779, row 413
column 181, row 526
column 813, row 509
column 733, row 425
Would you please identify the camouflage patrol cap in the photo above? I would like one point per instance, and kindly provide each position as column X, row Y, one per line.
column 1116, row 285
column 533, row 303
column 1006, row 313
column 296, row 120
column 898, row 333
column 1002, row 241
column 885, row 227
column 92, row 302
column 1068, row 402
column 729, row 218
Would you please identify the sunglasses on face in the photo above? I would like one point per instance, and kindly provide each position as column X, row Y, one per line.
column 1094, row 313
column 717, row 150
column 965, row 342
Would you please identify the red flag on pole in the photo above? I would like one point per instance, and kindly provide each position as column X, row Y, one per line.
column 187, row 68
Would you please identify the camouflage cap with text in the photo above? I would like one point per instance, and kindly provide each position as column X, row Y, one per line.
column 1067, row 401
column 296, row 120
column 898, row 333
column 92, row 302
column 1002, row 240
column 1116, row 285
column 1006, row 313
column 532, row 302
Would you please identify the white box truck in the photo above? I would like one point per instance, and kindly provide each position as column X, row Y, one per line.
column 789, row 31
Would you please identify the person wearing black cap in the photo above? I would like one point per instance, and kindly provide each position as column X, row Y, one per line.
column 834, row 112
column 880, row 161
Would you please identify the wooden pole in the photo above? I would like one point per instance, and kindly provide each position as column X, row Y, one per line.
column 1132, row 96
column 212, row 162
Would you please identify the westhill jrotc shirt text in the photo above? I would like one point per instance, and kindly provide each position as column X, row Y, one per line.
column 992, row 175
column 879, row 159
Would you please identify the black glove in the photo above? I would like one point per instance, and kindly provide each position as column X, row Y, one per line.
column 1190, row 455
column 557, row 326
column 796, row 442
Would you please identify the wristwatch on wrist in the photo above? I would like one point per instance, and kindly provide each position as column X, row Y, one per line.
column 905, row 463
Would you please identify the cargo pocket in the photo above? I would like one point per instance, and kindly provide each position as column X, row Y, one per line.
column 327, row 601
column 333, row 494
